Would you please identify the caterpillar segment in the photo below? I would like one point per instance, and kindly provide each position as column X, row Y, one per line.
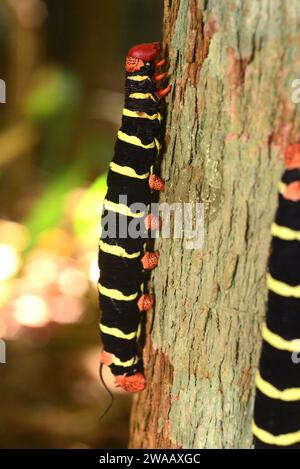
column 277, row 404
column 131, row 183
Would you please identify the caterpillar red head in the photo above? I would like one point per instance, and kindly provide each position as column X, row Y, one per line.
column 140, row 54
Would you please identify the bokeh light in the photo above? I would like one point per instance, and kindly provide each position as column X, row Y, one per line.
column 9, row 261
column 31, row 310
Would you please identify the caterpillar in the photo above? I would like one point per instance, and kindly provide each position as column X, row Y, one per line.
column 276, row 421
column 123, row 259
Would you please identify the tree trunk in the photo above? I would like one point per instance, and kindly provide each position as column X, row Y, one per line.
column 230, row 115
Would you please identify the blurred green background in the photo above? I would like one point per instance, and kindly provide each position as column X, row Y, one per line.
column 62, row 61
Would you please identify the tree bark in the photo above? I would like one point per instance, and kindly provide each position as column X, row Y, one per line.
column 230, row 115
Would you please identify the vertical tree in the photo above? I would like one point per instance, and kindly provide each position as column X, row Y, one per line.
column 230, row 115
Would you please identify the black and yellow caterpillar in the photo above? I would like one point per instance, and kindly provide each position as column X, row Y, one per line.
column 277, row 406
column 122, row 256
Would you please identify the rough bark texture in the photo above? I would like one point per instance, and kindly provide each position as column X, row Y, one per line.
column 230, row 115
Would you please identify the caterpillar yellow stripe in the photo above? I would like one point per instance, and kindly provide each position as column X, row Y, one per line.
column 130, row 362
column 280, row 440
column 141, row 115
column 281, row 187
column 288, row 395
column 157, row 144
column 285, row 233
column 282, row 289
column 133, row 140
column 139, row 78
column 117, row 250
column 116, row 294
column 143, row 96
column 127, row 171
column 122, row 209
column 279, row 342
column 115, row 332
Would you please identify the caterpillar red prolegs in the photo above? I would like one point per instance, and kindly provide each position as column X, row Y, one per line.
column 123, row 257
column 277, row 405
